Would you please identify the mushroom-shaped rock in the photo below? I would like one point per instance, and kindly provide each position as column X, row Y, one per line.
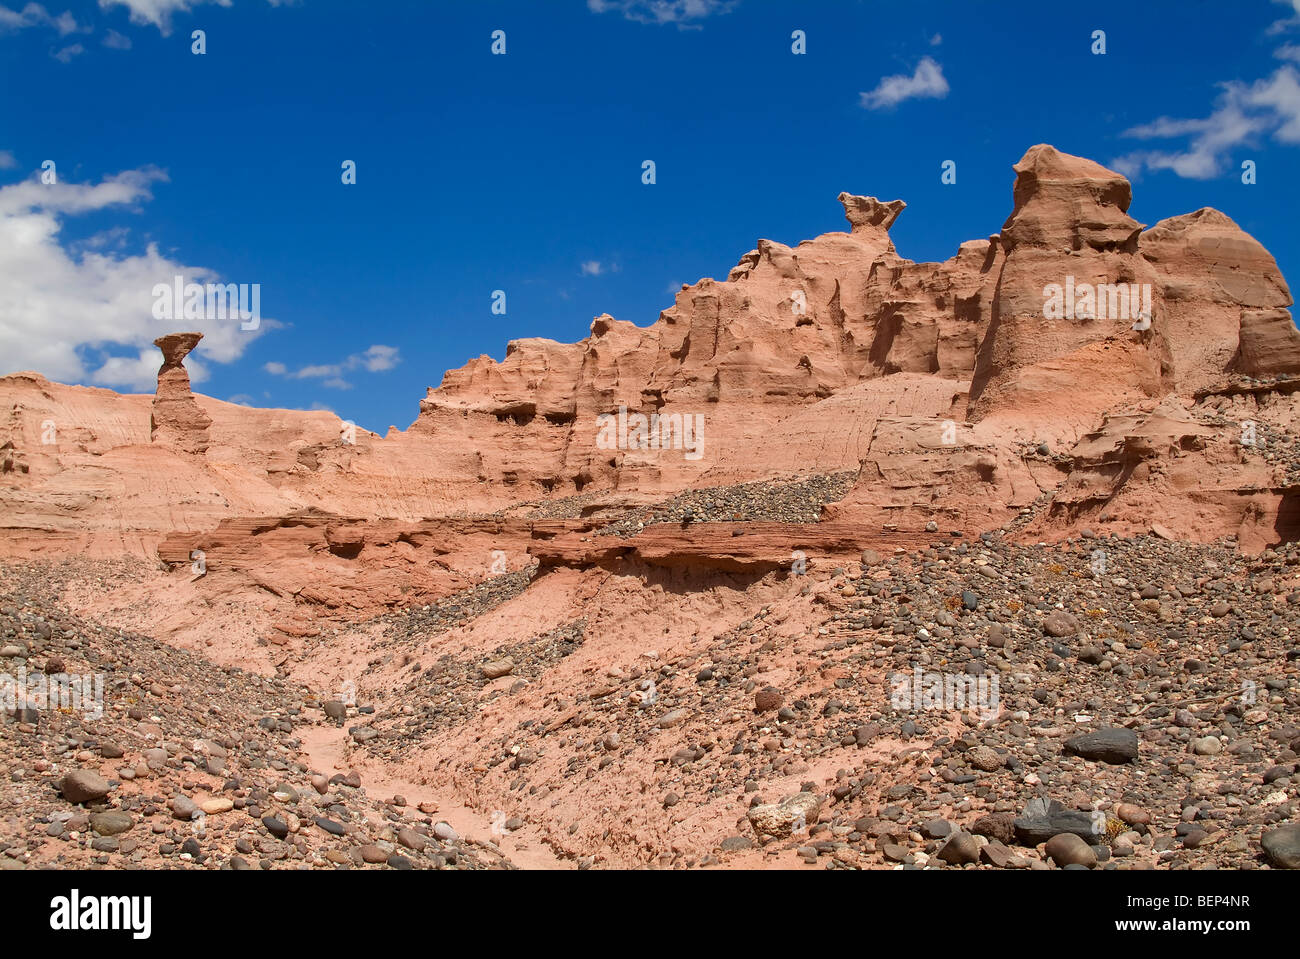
column 178, row 420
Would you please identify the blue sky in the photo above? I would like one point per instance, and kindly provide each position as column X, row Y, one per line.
column 522, row 172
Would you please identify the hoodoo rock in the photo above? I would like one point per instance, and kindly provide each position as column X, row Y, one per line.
column 177, row 421
column 1071, row 288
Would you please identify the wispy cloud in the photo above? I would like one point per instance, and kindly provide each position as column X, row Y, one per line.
column 375, row 359
column 685, row 14
column 114, row 238
column 1242, row 115
column 158, row 13
column 598, row 267
column 1288, row 23
column 117, row 41
column 67, row 53
column 926, row 81
column 35, row 15
column 7, row 160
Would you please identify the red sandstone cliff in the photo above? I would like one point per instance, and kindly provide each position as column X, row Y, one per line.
column 951, row 390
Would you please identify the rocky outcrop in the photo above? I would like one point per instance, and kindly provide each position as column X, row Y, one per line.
column 866, row 212
column 1068, row 296
column 726, row 547
column 1269, row 344
column 350, row 563
column 1024, row 371
column 900, row 471
column 177, row 420
column 1067, row 314
column 789, row 328
column 1208, row 272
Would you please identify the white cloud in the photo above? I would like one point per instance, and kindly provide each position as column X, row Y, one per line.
column 926, row 81
column 7, row 160
column 1279, row 98
column 112, row 238
column 375, row 359
column 67, row 53
column 35, row 15
column 378, row 358
column 117, row 41
column 87, row 317
column 591, row 268
column 125, row 188
column 158, row 13
column 936, row 39
column 1281, row 26
column 686, row 14
column 1242, row 114
column 309, row 372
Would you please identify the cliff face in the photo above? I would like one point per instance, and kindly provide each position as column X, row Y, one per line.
column 839, row 353
column 790, row 327
column 1016, row 378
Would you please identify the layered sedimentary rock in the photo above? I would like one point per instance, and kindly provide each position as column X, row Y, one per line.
column 791, row 327
column 177, row 420
column 1209, row 275
column 726, row 547
column 1139, row 315
column 447, row 621
column 1069, row 230
column 1269, row 344
column 1069, row 313
column 1024, row 375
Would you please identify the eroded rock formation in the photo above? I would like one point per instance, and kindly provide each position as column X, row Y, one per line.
column 501, row 608
column 177, row 419
column 1069, row 370
column 1068, row 314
